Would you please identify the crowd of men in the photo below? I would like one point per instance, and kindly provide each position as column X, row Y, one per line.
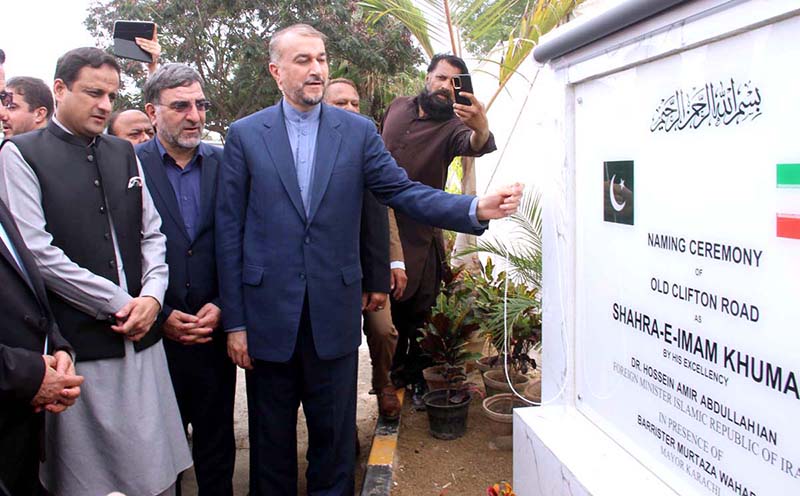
column 263, row 255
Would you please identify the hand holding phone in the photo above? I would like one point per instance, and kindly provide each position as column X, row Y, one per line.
column 125, row 34
column 462, row 82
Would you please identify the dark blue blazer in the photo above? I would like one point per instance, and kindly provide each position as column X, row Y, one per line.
column 270, row 254
column 192, row 264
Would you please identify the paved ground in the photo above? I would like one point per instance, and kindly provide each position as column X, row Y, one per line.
column 367, row 415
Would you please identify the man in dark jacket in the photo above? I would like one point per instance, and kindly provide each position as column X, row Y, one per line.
column 181, row 173
column 82, row 208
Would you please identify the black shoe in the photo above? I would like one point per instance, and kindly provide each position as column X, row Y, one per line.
column 417, row 392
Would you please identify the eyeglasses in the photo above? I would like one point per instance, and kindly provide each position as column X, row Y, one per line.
column 185, row 105
column 6, row 98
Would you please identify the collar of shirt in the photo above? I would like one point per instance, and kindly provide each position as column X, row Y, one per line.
column 62, row 126
column 197, row 160
column 299, row 117
column 302, row 127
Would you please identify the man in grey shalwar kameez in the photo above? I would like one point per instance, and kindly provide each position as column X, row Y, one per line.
column 79, row 199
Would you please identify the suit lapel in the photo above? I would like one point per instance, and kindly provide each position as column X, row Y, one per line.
column 157, row 180
column 32, row 279
column 8, row 256
column 10, row 228
column 208, row 179
column 328, row 141
column 280, row 151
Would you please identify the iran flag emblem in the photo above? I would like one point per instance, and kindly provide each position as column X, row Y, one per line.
column 788, row 216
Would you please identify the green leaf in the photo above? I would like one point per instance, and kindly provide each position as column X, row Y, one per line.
column 406, row 13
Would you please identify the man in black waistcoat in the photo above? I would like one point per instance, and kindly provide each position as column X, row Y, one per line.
column 181, row 174
column 82, row 207
column 36, row 370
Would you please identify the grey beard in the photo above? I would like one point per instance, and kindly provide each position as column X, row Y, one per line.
column 185, row 143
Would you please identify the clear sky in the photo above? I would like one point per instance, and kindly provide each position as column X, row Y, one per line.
column 34, row 33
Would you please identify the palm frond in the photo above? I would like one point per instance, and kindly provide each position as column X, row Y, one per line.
column 524, row 257
column 537, row 20
column 476, row 18
column 406, row 13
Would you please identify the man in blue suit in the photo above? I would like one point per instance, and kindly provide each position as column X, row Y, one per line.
column 288, row 220
column 181, row 174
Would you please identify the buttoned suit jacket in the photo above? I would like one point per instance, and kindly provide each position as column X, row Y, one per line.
column 272, row 255
column 203, row 376
column 193, row 280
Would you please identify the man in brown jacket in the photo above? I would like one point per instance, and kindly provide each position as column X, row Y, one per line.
column 424, row 134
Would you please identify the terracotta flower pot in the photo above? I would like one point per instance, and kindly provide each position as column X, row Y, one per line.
column 476, row 342
column 533, row 391
column 499, row 410
column 433, row 376
column 483, row 363
column 495, row 381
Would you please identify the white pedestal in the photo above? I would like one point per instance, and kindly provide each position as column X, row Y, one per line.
column 557, row 451
column 588, row 264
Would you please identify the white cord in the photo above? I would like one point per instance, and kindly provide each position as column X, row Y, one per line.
column 511, row 133
column 505, row 292
column 505, row 346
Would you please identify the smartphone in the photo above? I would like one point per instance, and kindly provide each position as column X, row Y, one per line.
column 462, row 82
column 125, row 34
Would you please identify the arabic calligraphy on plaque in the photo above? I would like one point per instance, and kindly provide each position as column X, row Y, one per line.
column 713, row 104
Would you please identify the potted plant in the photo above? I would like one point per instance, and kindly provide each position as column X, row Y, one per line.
column 522, row 317
column 521, row 314
column 444, row 338
column 516, row 330
column 446, row 332
column 501, row 303
column 488, row 293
